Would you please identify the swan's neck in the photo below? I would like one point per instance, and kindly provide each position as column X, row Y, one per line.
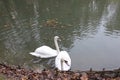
column 62, row 64
column 56, row 45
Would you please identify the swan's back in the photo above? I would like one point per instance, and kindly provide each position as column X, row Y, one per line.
column 63, row 55
column 44, row 52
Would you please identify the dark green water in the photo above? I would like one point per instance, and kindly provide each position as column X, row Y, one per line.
column 89, row 29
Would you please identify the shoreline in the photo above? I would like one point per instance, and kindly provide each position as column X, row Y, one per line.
column 19, row 73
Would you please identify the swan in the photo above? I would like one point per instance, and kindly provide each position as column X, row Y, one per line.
column 63, row 61
column 46, row 51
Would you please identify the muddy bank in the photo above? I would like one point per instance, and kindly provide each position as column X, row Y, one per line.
column 19, row 73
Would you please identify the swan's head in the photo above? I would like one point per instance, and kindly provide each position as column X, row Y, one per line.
column 57, row 38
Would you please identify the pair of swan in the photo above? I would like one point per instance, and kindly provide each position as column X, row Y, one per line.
column 62, row 61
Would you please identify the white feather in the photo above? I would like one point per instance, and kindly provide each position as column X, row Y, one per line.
column 46, row 51
column 65, row 56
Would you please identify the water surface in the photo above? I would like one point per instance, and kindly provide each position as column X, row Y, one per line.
column 90, row 31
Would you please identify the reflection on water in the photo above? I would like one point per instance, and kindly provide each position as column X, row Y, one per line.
column 89, row 31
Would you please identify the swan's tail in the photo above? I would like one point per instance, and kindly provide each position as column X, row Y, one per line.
column 34, row 54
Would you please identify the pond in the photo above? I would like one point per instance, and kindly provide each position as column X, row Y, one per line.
column 89, row 30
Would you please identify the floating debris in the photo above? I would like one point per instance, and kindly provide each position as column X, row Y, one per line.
column 51, row 23
column 55, row 24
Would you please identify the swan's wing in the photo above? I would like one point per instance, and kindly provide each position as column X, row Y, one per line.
column 63, row 55
column 44, row 52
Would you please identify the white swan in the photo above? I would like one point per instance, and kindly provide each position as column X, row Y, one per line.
column 63, row 61
column 47, row 52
